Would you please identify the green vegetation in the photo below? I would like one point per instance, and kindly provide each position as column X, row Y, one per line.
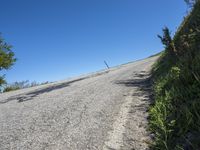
column 21, row 85
column 6, row 58
column 175, row 114
column 10, row 88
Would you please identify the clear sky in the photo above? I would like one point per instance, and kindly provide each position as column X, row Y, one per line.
column 57, row 39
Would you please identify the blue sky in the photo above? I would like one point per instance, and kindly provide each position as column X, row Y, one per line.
column 57, row 39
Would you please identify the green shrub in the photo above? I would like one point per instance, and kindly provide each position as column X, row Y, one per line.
column 10, row 88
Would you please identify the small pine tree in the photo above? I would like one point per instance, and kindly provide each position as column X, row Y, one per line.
column 6, row 58
column 167, row 41
column 166, row 38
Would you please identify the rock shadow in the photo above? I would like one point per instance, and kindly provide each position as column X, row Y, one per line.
column 31, row 95
column 142, row 81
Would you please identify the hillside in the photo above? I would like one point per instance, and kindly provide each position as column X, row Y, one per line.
column 175, row 115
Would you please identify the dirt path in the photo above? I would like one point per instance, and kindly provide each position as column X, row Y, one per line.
column 105, row 110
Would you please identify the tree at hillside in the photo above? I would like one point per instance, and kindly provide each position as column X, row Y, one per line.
column 6, row 58
column 167, row 41
column 190, row 2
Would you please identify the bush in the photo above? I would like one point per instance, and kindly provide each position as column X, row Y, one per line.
column 10, row 88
